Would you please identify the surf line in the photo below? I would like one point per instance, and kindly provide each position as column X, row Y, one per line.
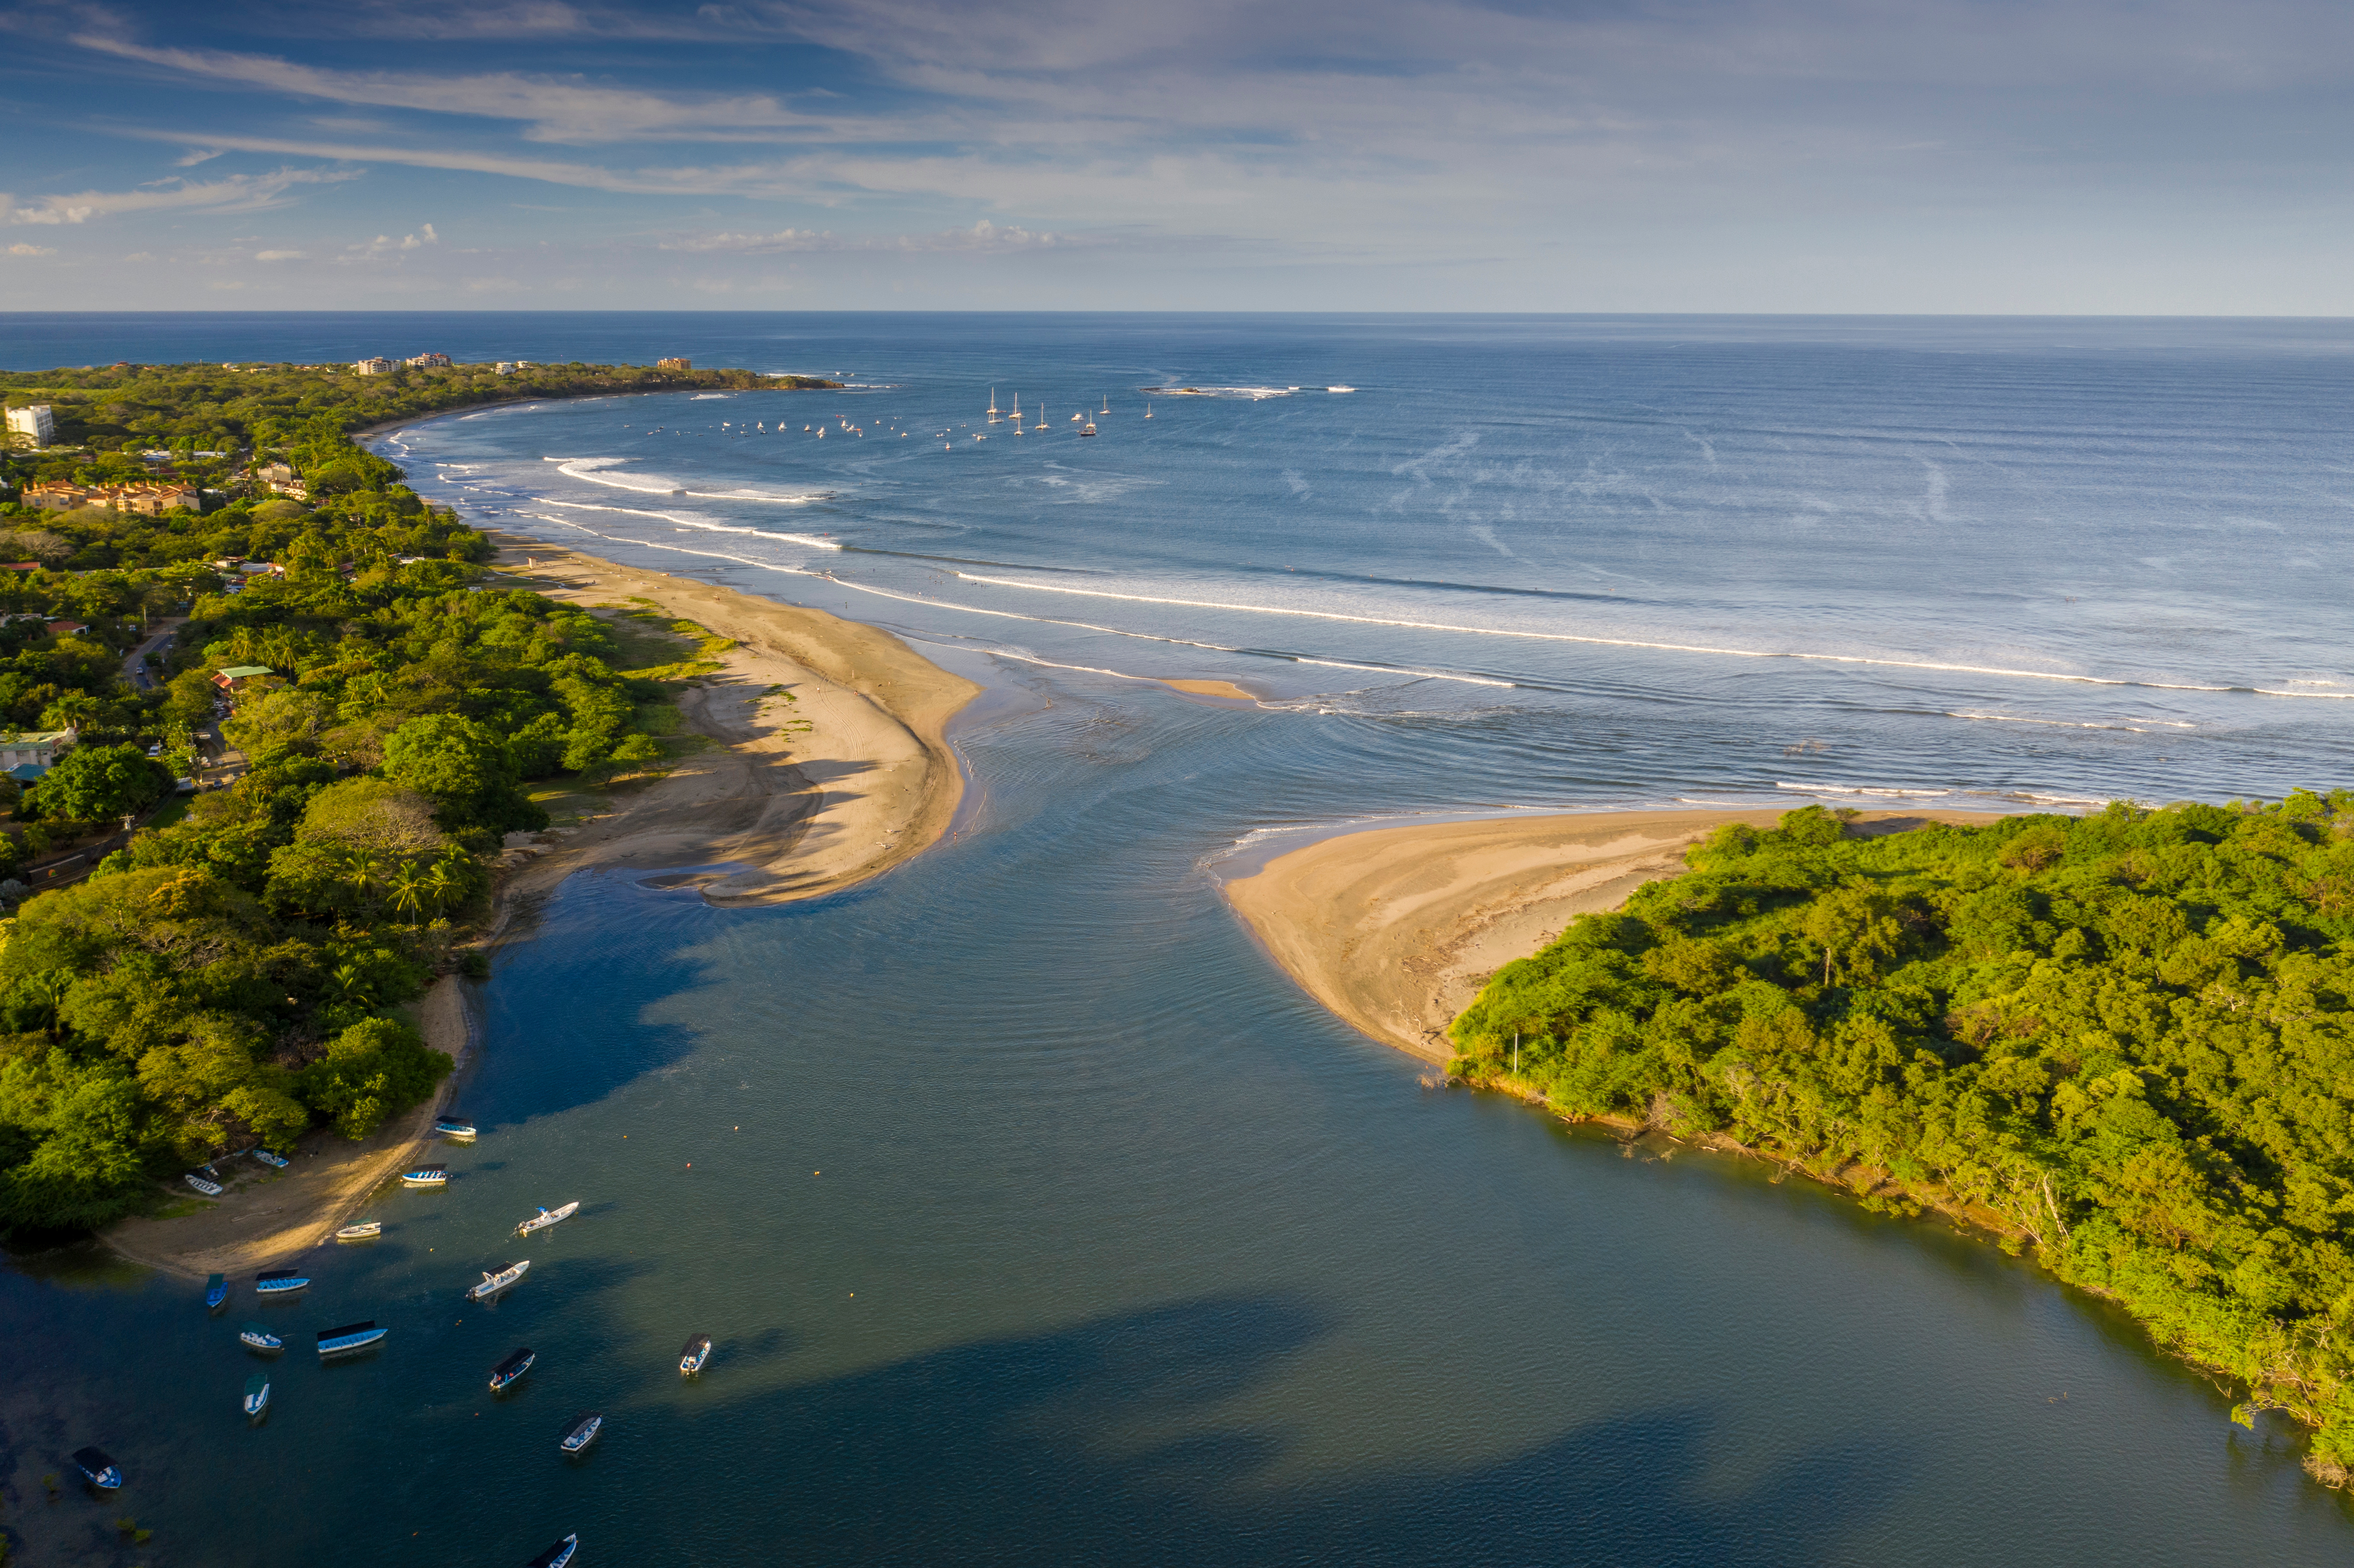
column 1633, row 642
column 1009, row 615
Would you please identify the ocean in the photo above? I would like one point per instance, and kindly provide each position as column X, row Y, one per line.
column 1036, row 1216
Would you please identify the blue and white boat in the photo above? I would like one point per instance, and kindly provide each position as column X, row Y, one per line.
column 257, row 1337
column 426, row 1176
column 97, row 1469
column 547, row 1217
column 256, row 1396
column 697, row 1351
column 582, row 1432
column 455, row 1125
column 362, row 1230
column 209, row 1188
column 277, row 1161
column 493, row 1283
column 557, row 1555
column 272, row 1283
column 349, row 1338
column 502, row 1376
column 215, row 1292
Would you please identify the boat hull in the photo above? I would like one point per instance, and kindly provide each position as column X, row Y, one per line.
column 581, row 1438
column 359, row 1232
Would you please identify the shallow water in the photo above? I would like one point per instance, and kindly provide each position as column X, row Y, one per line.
column 1037, row 1217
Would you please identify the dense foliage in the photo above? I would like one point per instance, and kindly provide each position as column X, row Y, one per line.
column 2123, row 1039
column 232, row 977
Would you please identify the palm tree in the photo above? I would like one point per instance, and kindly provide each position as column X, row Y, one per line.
column 408, row 890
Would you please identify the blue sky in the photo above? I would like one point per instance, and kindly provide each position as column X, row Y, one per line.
column 1041, row 154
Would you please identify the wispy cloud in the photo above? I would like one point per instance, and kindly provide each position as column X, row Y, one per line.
column 236, row 192
column 32, row 251
column 984, row 237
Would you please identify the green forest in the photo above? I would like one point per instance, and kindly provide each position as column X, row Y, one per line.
column 233, row 974
column 2120, row 1040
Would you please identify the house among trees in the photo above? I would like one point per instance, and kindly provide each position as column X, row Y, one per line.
column 235, row 677
column 428, row 360
column 64, row 627
column 674, row 364
column 26, row 755
column 150, row 500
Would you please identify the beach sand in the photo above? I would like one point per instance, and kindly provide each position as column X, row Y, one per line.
column 782, row 810
column 1396, row 929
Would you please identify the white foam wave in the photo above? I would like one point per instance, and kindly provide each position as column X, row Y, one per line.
column 706, row 396
column 811, row 540
column 1930, row 664
column 591, row 470
column 1875, row 790
column 2069, row 724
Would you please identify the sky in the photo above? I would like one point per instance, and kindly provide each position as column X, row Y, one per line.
column 2109, row 157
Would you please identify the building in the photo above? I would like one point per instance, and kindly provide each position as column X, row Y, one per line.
column 674, row 364
column 64, row 627
column 507, row 368
column 147, row 500
column 26, row 755
column 428, row 360
column 372, row 367
column 235, row 677
column 35, row 420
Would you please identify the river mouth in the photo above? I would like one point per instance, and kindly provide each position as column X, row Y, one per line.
column 1035, row 1214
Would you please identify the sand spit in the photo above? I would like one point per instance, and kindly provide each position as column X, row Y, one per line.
column 1396, row 929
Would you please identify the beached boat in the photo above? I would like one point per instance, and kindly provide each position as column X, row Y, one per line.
column 455, row 1125
column 215, row 1292
column 209, row 1188
column 269, row 1158
column 349, row 1338
column 256, row 1396
column 557, row 1555
column 582, row 1432
column 547, row 1217
column 493, row 1283
column 97, row 1469
column 504, row 1374
column 271, row 1283
column 363, row 1230
column 257, row 1337
column 426, row 1176
column 697, row 1351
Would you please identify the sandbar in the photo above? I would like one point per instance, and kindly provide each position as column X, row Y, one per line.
column 1396, row 929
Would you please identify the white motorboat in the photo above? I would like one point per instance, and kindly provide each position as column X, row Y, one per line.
column 547, row 1217
column 493, row 1283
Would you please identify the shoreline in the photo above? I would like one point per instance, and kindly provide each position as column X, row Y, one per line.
column 790, row 801
column 1396, row 929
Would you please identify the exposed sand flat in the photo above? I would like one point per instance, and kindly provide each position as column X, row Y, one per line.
column 1396, row 929
column 798, row 811
column 1211, row 689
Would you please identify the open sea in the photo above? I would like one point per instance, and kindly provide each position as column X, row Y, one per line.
column 1036, row 1216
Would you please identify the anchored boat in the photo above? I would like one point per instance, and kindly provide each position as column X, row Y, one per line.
column 365, row 1230
column 215, row 1292
column 557, row 1555
column 493, row 1283
column 513, row 1367
column 349, row 1338
column 697, row 1351
column 426, row 1176
column 455, row 1125
column 256, row 1396
column 547, row 1217
column 271, row 1283
column 96, row 1469
column 583, row 1432
column 258, row 1337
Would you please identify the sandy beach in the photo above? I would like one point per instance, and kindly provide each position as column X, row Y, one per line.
column 1396, row 929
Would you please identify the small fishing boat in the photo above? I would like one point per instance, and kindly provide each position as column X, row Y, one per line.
column 455, row 1125
column 349, row 1338
column 547, row 1217
column 269, row 1158
column 271, row 1283
column 582, row 1432
column 257, row 1337
column 215, row 1292
column 209, row 1188
column 697, row 1351
column 493, row 1283
column 97, row 1469
column 365, row 1230
column 426, row 1176
column 557, row 1555
column 256, row 1396
column 515, row 1366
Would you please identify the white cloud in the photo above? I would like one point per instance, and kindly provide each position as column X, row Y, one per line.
column 278, row 256
column 236, row 193
column 983, row 236
column 32, row 251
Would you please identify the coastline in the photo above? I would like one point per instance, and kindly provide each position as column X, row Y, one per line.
column 790, row 800
column 1396, row 929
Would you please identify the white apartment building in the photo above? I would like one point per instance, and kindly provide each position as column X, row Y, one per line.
column 372, row 367
column 35, row 420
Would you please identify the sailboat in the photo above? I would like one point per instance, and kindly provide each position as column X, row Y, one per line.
column 1106, row 407
column 993, row 405
column 1089, row 429
column 1148, row 407
column 1017, row 413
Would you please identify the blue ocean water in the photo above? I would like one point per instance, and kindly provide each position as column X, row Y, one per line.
column 1037, row 1217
